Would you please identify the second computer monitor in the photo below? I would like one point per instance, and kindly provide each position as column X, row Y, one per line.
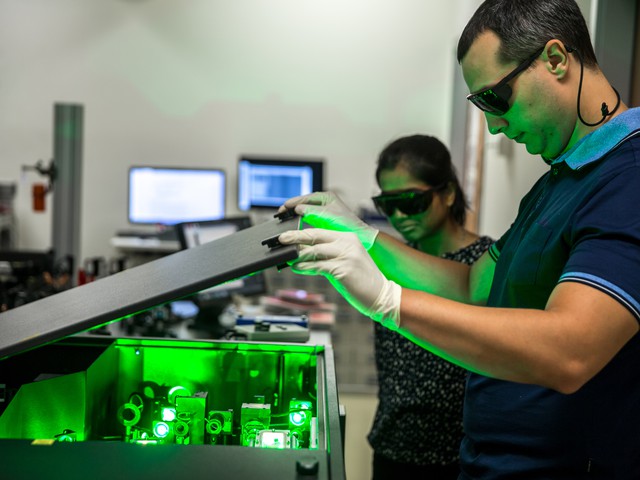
column 266, row 182
column 168, row 195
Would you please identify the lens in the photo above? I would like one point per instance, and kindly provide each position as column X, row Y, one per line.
column 491, row 101
column 417, row 204
column 383, row 206
column 495, row 100
column 409, row 202
column 161, row 429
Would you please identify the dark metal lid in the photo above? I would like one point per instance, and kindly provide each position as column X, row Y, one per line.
column 136, row 289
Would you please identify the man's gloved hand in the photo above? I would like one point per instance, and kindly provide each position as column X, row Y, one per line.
column 326, row 210
column 341, row 258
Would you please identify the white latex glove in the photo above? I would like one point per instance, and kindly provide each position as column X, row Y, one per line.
column 327, row 210
column 341, row 258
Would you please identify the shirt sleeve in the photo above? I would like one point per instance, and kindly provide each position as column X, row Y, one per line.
column 605, row 239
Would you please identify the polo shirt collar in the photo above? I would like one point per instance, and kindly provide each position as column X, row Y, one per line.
column 601, row 141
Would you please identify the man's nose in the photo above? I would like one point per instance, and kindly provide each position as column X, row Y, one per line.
column 495, row 124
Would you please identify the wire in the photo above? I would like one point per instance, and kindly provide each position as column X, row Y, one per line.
column 604, row 108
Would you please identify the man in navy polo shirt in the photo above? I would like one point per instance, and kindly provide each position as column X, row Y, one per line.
column 547, row 322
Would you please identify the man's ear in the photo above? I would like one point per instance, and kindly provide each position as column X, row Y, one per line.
column 556, row 58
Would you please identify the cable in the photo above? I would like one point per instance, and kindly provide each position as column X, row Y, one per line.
column 604, row 108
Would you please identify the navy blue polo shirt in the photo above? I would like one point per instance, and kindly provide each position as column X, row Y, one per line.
column 579, row 223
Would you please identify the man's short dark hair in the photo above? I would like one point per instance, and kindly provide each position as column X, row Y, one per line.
column 524, row 26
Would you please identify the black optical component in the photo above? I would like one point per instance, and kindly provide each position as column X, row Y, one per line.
column 409, row 202
column 495, row 100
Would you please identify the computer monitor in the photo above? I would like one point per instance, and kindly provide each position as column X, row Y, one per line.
column 170, row 195
column 266, row 182
column 212, row 301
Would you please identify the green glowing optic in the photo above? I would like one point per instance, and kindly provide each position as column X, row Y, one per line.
column 145, row 442
column 129, row 414
column 273, row 440
column 161, row 429
column 214, row 426
column 299, row 412
column 178, row 391
column 297, row 418
column 181, row 429
column 168, row 414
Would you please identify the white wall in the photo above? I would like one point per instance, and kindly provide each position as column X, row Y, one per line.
column 196, row 82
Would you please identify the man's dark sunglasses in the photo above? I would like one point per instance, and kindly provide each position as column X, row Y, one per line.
column 495, row 100
column 409, row 202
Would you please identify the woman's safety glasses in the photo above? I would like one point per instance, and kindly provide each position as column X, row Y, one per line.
column 495, row 100
column 409, row 202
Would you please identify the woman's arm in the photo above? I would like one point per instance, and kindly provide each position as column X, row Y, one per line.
column 416, row 270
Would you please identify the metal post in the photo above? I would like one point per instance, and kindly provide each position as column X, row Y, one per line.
column 67, row 184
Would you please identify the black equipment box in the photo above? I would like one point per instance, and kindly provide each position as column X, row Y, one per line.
column 88, row 406
column 104, row 408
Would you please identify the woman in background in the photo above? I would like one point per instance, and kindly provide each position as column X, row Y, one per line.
column 417, row 428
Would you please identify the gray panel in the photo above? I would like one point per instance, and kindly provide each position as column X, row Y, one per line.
column 614, row 43
column 142, row 287
column 459, row 130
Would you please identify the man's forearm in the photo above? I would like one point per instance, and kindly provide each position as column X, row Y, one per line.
column 561, row 347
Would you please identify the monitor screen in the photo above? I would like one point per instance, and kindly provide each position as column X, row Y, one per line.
column 192, row 234
column 166, row 195
column 266, row 182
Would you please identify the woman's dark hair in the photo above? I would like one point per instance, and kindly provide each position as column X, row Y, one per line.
column 428, row 160
column 524, row 26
